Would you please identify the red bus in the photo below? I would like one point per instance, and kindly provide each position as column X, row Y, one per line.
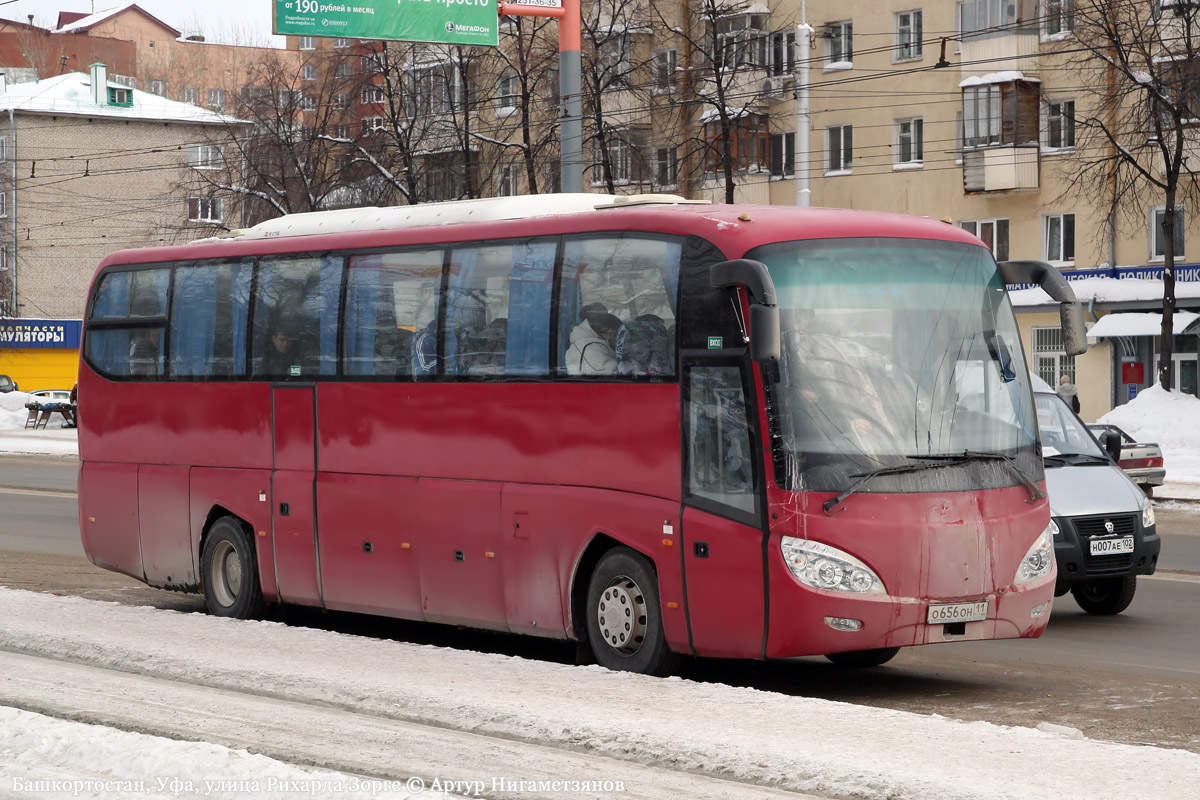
column 654, row 426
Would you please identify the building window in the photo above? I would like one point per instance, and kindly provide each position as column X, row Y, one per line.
column 840, row 143
column 908, row 35
column 343, row 70
column 119, row 97
column 1157, row 238
column 506, row 95
column 1060, row 124
column 782, row 53
column 216, row 98
column 3, row 148
column 158, row 87
column 372, row 124
column 998, row 16
column 507, row 185
column 204, row 209
column 308, row 72
column 341, row 132
column 613, row 58
column 741, row 39
column 190, row 95
column 124, row 80
column 624, row 149
column 1059, row 16
column 371, row 64
column 308, row 103
column 308, row 43
column 341, row 42
column 839, row 43
column 910, row 141
column 1050, row 359
column 341, row 101
column 1059, row 241
column 664, row 70
column 783, row 155
column 436, row 89
column 666, row 167
column 371, row 95
column 3, row 204
column 992, row 232
column 205, row 156
column 748, row 143
column 1000, row 114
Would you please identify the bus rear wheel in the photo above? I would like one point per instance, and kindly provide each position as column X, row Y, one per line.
column 228, row 572
column 624, row 615
column 1105, row 596
column 864, row 658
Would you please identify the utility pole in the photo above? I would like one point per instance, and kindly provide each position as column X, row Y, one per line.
column 570, row 77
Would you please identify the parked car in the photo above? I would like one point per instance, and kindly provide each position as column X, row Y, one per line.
column 1142, row 461
column 50, row 396
column 7, row 384
column 1103, row 524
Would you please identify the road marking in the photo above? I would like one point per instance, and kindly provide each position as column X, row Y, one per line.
column 1174, row 575
column 64, row 493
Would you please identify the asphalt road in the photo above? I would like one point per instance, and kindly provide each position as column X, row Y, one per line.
column 1133, row 677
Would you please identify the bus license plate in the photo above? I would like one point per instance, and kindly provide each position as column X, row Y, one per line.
column 1107, row 547
column 957, row 612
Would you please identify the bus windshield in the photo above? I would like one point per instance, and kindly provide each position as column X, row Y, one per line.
column 893, row 350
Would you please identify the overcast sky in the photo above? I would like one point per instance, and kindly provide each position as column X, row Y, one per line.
column 236, row 21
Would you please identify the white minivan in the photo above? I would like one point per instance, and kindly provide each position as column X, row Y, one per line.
column 1103, row 524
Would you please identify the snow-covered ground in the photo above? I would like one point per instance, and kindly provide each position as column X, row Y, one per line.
column 637, row 726
column 614, row 724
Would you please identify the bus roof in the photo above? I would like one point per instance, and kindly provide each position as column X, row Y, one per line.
column 735, row 229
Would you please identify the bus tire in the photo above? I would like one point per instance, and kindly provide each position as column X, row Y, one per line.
column 864, row 658
column 229, row 573
column 624, row 615
column 1106, row 595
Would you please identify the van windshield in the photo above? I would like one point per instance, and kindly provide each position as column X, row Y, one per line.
column 1061, row 431
column 893, row 350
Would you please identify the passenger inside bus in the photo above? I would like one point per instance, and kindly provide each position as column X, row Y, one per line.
column 282, row 352
column 593, row 342
column 644, row 347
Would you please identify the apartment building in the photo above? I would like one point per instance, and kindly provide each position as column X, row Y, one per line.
column 89, row 166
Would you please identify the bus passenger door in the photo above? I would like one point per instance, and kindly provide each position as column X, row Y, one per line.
column 293, row 506
column 723, row 535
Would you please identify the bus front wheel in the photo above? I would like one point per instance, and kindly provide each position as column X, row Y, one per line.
column 228, row 572
column 624, row 615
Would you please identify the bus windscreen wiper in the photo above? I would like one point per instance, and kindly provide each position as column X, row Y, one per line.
column 899, row 469
column 1035, row 493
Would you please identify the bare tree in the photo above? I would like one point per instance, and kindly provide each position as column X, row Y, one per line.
column 728, row 58
column 1138, row 138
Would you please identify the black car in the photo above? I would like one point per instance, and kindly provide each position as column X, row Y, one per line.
column 7, row 384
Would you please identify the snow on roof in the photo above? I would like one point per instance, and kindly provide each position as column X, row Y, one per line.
column 92, row 20
column 72, row 94
column 732, row 113
column 1107, row 290
column 757, row 8
column 1140, row 324
column 486, row 209
column 996, row 77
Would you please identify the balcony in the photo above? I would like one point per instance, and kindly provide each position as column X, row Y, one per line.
column 1001, row 169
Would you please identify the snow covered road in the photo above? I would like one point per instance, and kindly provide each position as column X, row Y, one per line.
column 393, row 709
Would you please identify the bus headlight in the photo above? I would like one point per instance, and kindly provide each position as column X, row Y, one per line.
column 823, row 567
column 1148, row 514
column 1039, row 561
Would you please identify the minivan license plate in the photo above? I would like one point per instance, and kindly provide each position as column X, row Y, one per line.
column 1107, row 547
column 957, row 612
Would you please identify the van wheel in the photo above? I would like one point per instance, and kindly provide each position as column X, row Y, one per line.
column 624, row 615
column 228, row 572
column 1106, row 596
column 864, row 658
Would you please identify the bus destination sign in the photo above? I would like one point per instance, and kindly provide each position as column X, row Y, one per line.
column 442, row 21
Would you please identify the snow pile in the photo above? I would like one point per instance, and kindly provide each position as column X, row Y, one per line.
column 12, row 410
column 57, row 758
column 1172, row 419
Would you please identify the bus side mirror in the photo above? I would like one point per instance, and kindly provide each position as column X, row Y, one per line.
column 764, row 314
column 1054, row 284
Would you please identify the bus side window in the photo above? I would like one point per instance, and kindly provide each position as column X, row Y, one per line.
column 295, row 317
column 720, row 465
column 391, row 299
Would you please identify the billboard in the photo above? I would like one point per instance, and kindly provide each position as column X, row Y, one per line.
column 446, row 21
